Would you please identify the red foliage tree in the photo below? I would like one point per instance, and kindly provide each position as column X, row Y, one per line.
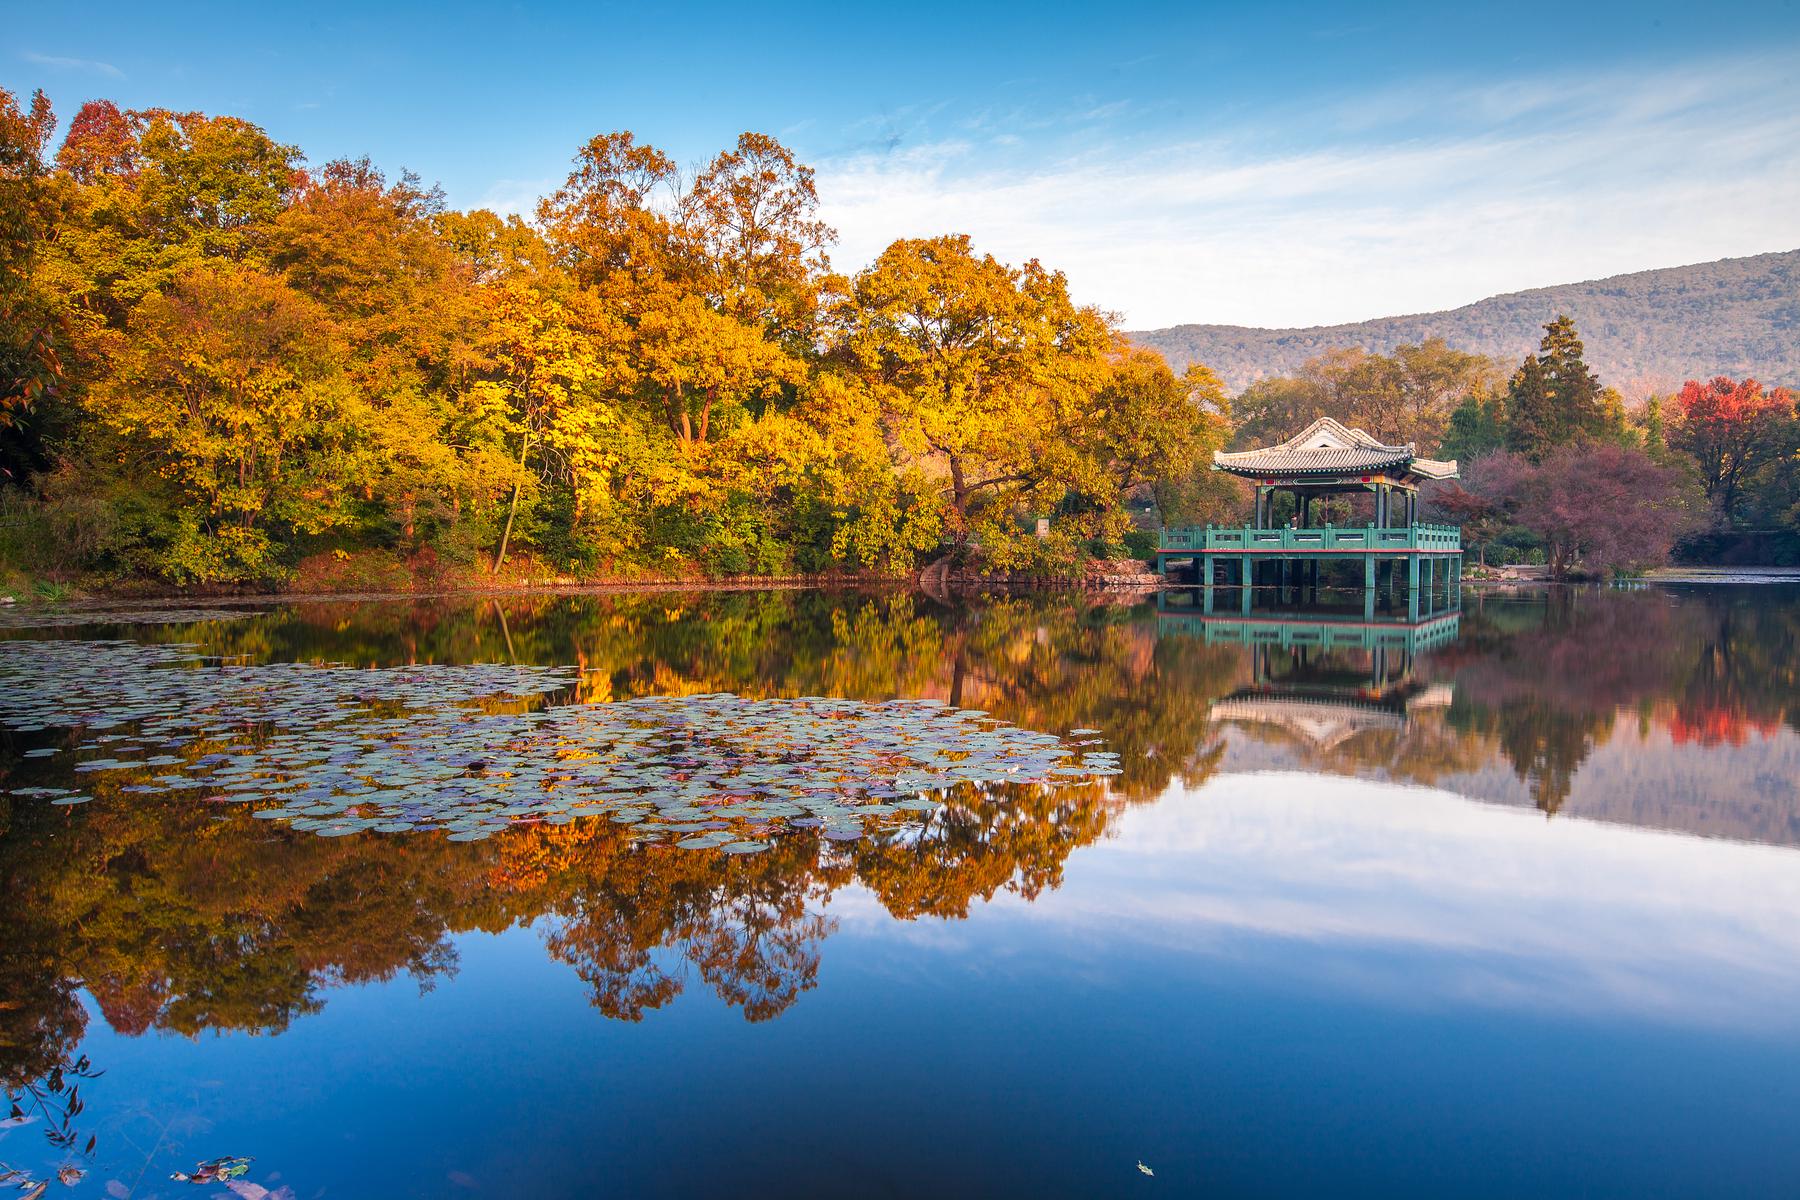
column 1730, row 429
column 1601, row 506
column 101, row 141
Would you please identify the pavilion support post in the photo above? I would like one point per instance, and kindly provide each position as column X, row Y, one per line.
column 1244, row 598
column 1412, row 587
column 1206, row 570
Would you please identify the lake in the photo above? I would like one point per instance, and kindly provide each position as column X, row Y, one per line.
column 823, row 894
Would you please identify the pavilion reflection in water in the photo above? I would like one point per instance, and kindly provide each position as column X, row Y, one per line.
column 1325, row 667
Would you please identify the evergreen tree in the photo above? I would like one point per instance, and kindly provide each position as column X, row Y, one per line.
column 1533, row 426
column 1656, row 440
column 1573, row 388
column 1477, row 428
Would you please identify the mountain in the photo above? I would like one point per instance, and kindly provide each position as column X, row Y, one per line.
column 1645, row 331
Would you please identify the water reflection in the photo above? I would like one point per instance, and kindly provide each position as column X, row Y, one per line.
column 1674, row 709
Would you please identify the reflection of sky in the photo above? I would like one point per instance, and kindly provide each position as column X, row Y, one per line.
column 1273, row 985
column 1415, row 896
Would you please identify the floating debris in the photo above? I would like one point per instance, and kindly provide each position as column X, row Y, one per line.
column 215, row 1170
column 469, row 750
column 1145, row 1170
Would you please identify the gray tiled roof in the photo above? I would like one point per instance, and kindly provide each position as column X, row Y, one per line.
column 1328, row 445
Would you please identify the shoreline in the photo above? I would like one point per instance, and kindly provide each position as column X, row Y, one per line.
column 942, row 589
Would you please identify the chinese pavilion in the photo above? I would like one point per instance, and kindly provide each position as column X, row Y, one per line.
column 1326, row 458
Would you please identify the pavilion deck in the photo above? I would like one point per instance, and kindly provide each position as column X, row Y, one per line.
column 1181, row 542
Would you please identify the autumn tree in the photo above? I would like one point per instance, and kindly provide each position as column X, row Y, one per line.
column 978, row 367
column 614, row 222
column 754, row 212
column 1409, row 395
column 31, row 324
column 229, row 386
column 1731, row 428
column 1151, row 434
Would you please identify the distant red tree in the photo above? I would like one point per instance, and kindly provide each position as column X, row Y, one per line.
column 1730, row 428
column 1717, row 726
column 100, row 141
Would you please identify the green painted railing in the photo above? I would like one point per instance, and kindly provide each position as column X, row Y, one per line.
column 1427, row 634
column 1431, row 538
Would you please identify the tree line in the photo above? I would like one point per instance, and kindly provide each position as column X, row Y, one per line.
column 1555, row 466
column 220, row 361
column 221, row 364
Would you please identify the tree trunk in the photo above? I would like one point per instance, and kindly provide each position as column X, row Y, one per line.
column 959, row 493
column 512, row 508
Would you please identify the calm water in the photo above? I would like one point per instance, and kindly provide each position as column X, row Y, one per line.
column 1503, row 903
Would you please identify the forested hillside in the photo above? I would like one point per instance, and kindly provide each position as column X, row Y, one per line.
column 1645, row 332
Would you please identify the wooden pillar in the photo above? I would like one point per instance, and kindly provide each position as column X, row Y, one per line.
column 1370, row 570
column 1412, row 587
column 1206, row 570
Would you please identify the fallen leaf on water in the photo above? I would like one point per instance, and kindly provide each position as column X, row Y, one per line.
column 69, row 1176
column 215, row 1170
column 1144, row 1169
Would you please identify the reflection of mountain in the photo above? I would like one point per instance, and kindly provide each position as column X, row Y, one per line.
column 1667, row 708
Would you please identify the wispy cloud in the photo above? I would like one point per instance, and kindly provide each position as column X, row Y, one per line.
column 516, row 197
column 1408, row 201
column 72, row 64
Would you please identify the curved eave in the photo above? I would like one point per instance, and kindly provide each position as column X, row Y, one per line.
column 1431, row 468
column 1253, row 471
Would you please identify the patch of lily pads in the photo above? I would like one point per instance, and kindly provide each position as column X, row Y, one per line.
column 23, row 617
column 472, row 749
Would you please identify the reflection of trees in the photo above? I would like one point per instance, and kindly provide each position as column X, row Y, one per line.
column 183, row 916
column 621, row 915
column 1548, row 679
column 980, row 842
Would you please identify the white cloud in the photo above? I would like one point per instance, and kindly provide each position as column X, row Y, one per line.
column 73, row 64
column 516, row 197
column 1437, row 198
column 1414, row 896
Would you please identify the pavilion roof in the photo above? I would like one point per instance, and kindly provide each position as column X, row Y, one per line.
column 1331, row 447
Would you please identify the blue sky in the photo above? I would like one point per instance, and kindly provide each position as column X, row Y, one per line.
column 1270, row 164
